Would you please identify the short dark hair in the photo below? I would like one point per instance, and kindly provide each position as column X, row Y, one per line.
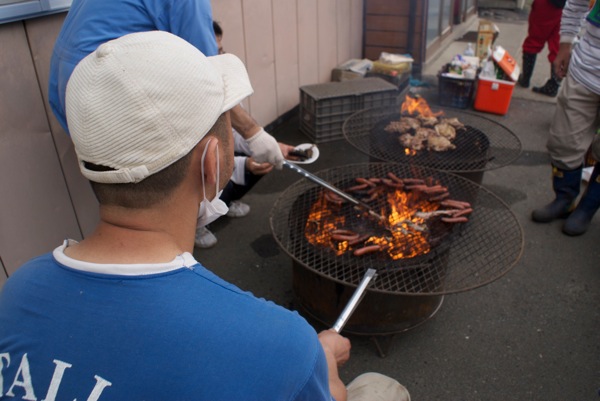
column 154, row 189
column 217, row 29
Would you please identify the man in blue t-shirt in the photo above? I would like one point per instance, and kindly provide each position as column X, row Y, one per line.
column 128, row 313
column 90, row 23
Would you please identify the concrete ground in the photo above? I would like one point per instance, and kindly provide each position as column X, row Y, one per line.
column 533, row 334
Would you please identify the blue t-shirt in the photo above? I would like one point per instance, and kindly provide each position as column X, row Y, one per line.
column 173, row 332
column 90, row 23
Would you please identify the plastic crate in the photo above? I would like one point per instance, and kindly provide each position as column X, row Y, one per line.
column 325, row 107
column 455, row 92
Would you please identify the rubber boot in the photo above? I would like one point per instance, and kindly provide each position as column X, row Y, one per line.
column 528, row 64
column 579, row 221
column 566, row 184
column 551, row 86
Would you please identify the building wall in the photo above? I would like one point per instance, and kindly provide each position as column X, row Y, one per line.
column 395, row 27
column 284, row 43
column 288, row 43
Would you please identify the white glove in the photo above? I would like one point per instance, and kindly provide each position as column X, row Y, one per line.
column 265, row 149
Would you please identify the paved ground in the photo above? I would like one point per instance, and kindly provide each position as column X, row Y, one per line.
column 533, row 334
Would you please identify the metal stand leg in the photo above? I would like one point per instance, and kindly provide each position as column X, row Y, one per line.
column 383, row 344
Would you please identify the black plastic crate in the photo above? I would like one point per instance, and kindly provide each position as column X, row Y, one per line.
column 455, row 92
column 325, row 107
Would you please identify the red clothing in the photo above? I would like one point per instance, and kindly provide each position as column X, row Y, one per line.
column 544, row 27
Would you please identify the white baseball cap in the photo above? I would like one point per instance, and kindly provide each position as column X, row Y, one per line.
column 141, row 102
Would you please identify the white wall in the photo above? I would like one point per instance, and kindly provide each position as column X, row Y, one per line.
column 288, row 43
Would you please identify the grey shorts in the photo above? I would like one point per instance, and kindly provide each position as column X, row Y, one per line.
column 574, row 125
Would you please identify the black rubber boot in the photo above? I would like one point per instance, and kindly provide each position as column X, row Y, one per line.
column 551, row 86
column 528, row 64
column 566, row 184
column 579, row 221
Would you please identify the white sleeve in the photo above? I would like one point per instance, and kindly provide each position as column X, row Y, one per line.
column 239, row 169
column 239, row 144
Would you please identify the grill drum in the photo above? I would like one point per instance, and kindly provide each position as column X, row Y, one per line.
column 485, row 145
column 406, row 292
column 379, row 313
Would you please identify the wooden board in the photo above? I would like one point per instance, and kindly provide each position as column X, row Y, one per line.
column 36, row 213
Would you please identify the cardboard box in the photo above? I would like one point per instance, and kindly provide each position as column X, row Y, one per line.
column 486, row 36
column 493, row 95
column 391, row 69
column 351, row 69
column 507, row 63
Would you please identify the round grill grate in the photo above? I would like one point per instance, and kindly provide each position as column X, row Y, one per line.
column 484, row 145
column 470, row 255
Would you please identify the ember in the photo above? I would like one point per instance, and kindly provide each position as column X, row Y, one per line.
column 415, row 210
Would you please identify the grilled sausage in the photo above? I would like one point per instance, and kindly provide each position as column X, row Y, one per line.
column 358, row 240
column 361, row 180
column 367, row 249
column 455, row 204
column 439, row 197
column 463, row 212
column 342, row 231
column 341, row 237
column 395, row 178
column 455, row 219
column 415, row 181
column 357, row 187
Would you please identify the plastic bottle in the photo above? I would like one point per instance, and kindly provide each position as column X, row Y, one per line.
column 469, row 51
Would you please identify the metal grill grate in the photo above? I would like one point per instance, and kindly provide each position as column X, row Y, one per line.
column 468, row 256
column 485, row 145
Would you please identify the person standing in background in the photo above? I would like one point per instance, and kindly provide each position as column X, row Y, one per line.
column 89, row 23
column 544, row 27
column 575, row 120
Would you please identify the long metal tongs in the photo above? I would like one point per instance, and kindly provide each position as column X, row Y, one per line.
column 332, row 188
column 354, row 300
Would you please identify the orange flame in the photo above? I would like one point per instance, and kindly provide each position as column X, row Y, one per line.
column 412, row 106
column 399, row 240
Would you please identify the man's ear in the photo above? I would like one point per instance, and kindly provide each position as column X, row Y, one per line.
column 210, row 161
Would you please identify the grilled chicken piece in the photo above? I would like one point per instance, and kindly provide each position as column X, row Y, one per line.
column 400, row 127
column 414, row 123
column 453, row 122
column 446, row 130
column 438, row 143
column 428, row 121
column 411, row 141
column 424, row 133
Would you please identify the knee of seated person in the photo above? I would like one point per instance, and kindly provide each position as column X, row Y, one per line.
column 372, row 386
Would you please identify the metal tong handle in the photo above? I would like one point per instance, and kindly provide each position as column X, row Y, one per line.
column 354, row 300
column 330, row 187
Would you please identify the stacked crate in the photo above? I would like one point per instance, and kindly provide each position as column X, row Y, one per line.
column 325, row 107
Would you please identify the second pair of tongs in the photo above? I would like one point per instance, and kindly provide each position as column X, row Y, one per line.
column 332, row 188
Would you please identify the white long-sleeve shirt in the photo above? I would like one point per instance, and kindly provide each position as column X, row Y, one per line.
column 584, row 66
column 239, row 166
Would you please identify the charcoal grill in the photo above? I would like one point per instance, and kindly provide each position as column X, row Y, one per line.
column 408, row 291
column 485, row 145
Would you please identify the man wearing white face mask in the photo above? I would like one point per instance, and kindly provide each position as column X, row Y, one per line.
column 128, row 313
column 209, row 211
